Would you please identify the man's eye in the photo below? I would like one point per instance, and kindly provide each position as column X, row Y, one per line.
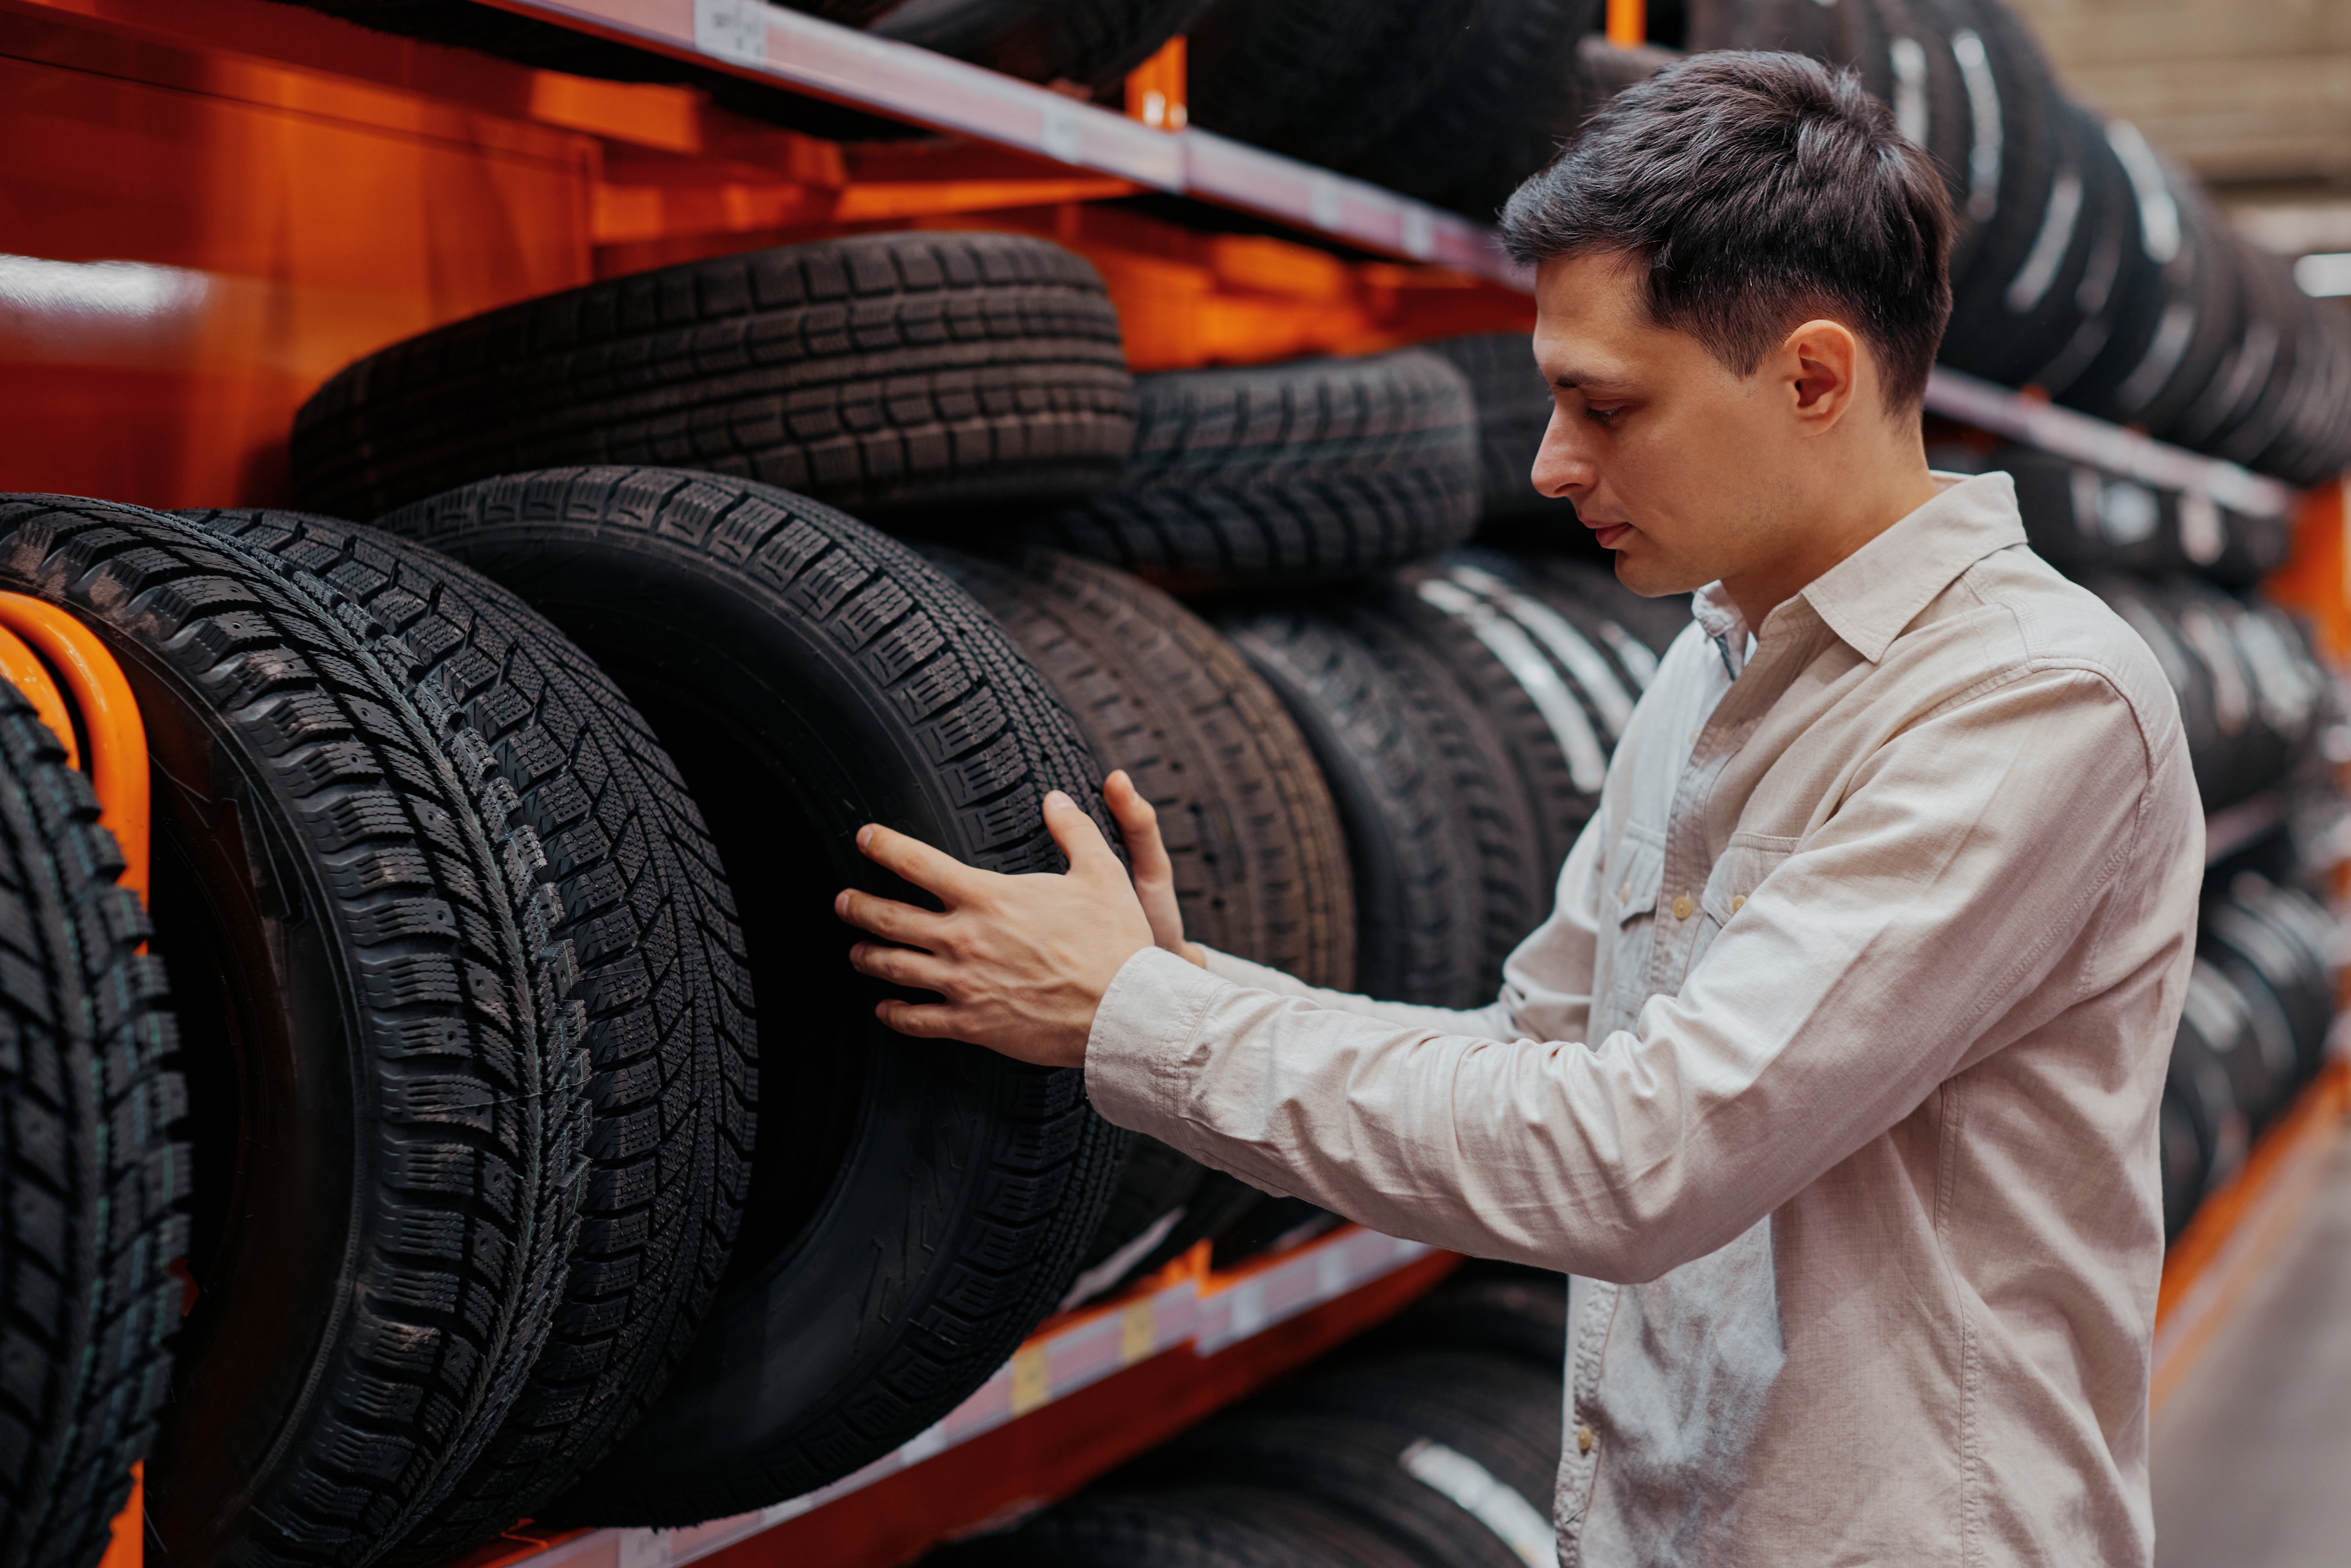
column 1605, row 415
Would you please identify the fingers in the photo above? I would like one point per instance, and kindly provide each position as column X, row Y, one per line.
column 901, row 967
column 925, row 1020
column 888, row 917
column 1080, row 836
column 1138, row 823
column 933, row 870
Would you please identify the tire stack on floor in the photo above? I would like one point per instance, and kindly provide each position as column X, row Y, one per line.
column 2088, row 265
column 1431, row 1443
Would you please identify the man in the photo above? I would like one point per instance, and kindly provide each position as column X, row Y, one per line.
column 1841, row 1053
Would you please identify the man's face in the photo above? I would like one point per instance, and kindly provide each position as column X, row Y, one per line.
column 1684, row 468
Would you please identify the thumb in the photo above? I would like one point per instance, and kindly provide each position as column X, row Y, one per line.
column 1080, row 837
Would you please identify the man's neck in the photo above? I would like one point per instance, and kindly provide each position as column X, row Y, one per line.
column 1841, row 519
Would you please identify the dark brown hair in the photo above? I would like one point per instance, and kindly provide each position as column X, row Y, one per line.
column 1756, row 190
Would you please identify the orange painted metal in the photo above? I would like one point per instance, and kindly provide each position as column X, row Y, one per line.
column 1054, row 1450
column 109, row 716
column 208, row 206
column 125, row 1543
column 2316, row 578
column 1156, row 88
column 1628, row 21
column 22, row 668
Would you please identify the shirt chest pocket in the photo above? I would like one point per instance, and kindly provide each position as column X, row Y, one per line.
column 1745, row 861
column 1628, row 932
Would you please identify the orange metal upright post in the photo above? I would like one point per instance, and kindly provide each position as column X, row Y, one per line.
column 1628, row 22
column 1155, row 89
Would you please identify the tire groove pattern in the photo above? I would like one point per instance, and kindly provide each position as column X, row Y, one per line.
column 629, row 877
column 90, row 1219
column 468, row 1115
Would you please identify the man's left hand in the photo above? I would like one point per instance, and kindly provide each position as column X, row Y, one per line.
column 1022, row 961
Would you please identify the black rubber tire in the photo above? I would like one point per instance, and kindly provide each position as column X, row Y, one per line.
column 634, row 882
column 1514, row 93
column 1306, row 472
column 1243, row 1526
column 2181, row 1151
column 1794, row 27
column 1349, row 1437
column 91, row 1217
column 1436, row 826
column 2215, row 705
column 2205, row 1076
column 1316, row 80
column 1260, row 857
column 2240, row 934
column 385, row 1140
column 1638, row 629
column 916, row 1205
column 1514, row 407
column 1543, row 684
column 901, row 376
column 1094, row 43
column 1521, row 1315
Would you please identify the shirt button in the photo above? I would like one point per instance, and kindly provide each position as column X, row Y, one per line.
column 1583, row 1439
column 1738, row 902
column 1682, row 906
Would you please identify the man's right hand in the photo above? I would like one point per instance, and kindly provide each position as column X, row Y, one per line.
column 1153, row 874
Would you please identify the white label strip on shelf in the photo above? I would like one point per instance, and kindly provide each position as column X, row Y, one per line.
column 916, row 84
column 2038, row 423
column 1039, row 1373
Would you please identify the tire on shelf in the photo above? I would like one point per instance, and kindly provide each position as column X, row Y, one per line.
column 2203, row 1077
column 633, row 883
column 384, row 1138
column 1260, row 856
column 1494, row 1310
column 1316, row 80
column 1095, row 43
column 1514, row 406
column 1392, row 1440
column 1539, row 673
column 91, row 1218
column 2283, row 938
column 1436, row 825
column 1310, row 471
column 1243, row 1526
column 903, row 375
column 1514, row 93
column 916, row 1207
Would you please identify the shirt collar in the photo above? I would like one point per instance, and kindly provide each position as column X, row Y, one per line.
column 1870, row 596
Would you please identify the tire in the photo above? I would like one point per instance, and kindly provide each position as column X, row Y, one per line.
column 2085, row 522
column 1095, row 43
column 1539, row 673
column 1243, row 1526
column 1308, row 472
column 1515, row 92
column 2207, row 1074
column 1521, row 1316
column 1636, row 629
column 633, row 883
column 903, row 375
column 384, row 1134
column 1514, row 407
column 1436, row 830
column 916, row 1207
column 2213, row 712
column 2182, row 1153
column 1260, row 856
column 2242, row 937
column 92, row 1216
column 1316, row 80
column 1391, row 1442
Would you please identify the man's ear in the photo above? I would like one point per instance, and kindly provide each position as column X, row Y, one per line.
column 1822, row 362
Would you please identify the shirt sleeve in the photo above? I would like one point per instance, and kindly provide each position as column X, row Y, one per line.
column 1879, row 957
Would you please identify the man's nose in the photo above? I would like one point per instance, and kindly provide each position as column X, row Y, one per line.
column 1562, row 469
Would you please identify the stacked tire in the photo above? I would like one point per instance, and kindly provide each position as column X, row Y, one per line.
column 2088, row 265
column 1433, row 1443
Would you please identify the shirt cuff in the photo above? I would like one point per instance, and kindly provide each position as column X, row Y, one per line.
column 1139, row 1051
column 1250, row 975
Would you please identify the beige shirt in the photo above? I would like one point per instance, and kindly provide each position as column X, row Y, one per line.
column 1840, row 1051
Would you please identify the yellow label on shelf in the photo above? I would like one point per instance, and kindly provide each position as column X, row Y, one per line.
column 1032, row 1379
column 1137, row 1332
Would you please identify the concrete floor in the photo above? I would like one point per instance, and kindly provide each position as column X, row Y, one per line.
column 2252, row 1451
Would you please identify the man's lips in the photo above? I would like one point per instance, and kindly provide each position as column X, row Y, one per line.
column 1610, row 535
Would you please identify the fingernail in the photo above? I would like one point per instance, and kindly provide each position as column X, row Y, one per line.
column 841, row 904
column 1055, row 797
column 865, row 835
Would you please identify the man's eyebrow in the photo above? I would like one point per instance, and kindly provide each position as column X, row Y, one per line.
column 1588, row 382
